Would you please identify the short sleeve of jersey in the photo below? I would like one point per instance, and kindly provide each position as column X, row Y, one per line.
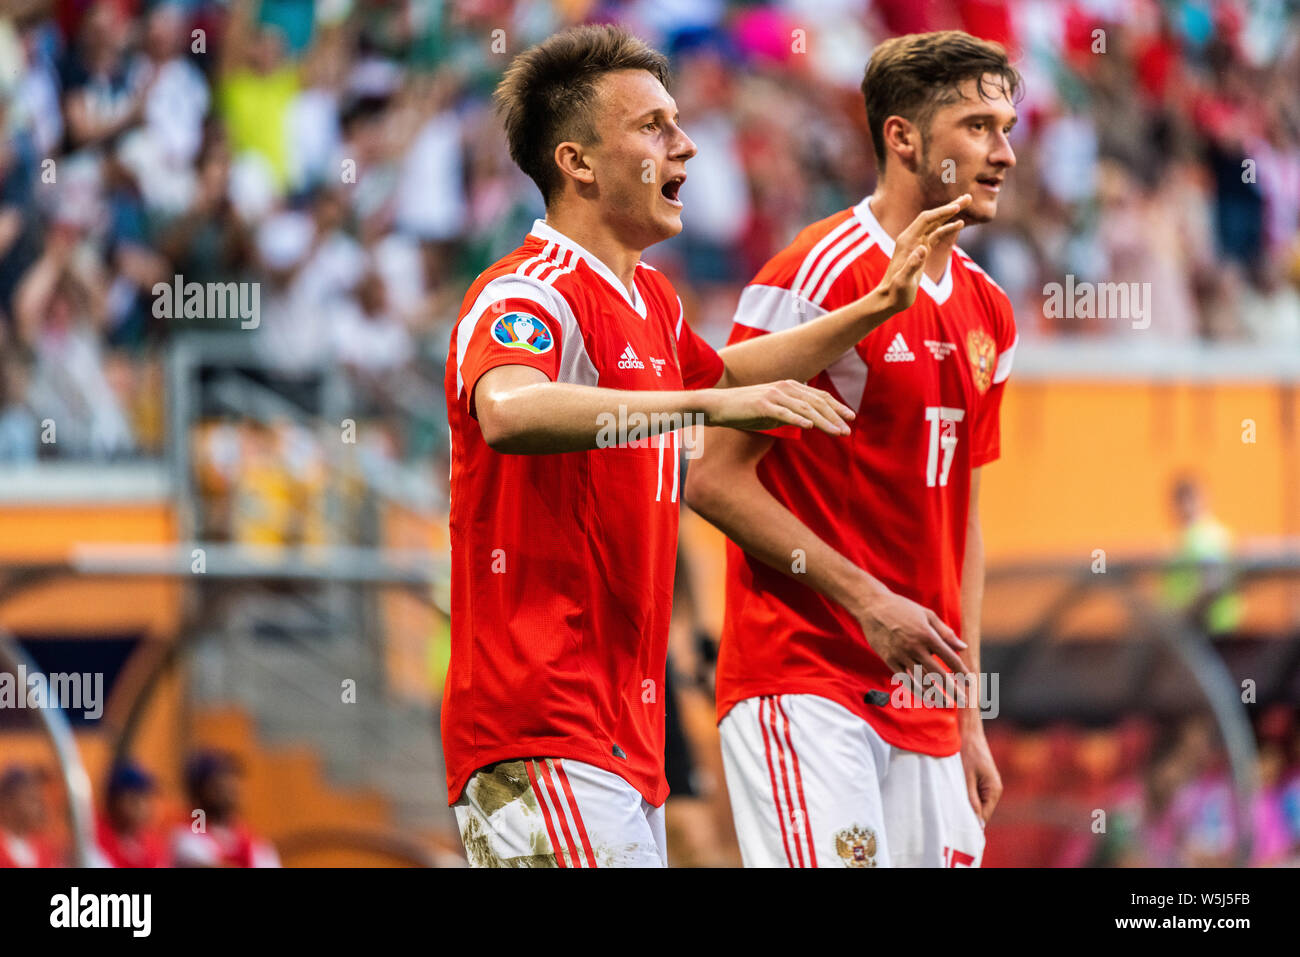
column 700, row 364
column 743, row 333
column 511, row 331
column 763, row 309
column 987, row 438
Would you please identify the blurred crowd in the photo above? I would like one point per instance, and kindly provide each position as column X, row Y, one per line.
column 131, row 826
column 1167, row 793
column 1143, row 793
column 345, row 158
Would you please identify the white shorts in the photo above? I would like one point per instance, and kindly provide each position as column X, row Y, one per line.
column 814, row 785
column 548, row 812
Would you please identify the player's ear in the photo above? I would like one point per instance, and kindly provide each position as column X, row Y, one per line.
column 572, row 160
column 903, row 139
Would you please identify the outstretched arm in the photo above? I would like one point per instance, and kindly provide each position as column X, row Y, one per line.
column 522, row 411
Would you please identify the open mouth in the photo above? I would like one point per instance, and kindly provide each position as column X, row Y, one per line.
column 670, row 189
column 991, row 183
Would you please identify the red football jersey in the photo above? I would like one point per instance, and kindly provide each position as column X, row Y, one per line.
column 562, row 565
column 892, row 497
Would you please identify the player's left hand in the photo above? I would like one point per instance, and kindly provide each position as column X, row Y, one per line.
column 983, row 783
column 902, row 278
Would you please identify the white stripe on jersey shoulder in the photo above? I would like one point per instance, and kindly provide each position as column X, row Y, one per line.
column 814, row 254
column 832, row 257
column 975, row 267
column 538, row 264
column 575, row 365
column 552, row 263
column 773, row 308
column 1005, row 360
column 565, row 263
column 845, row 261
column 681, row 318
column 544, row 230
column 523, row 268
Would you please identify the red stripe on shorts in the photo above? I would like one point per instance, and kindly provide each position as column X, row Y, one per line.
column 546, row 814
column 776, row 794
column 798, row 781
column 577, row 816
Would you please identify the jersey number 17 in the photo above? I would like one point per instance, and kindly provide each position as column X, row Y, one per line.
column 943, row 437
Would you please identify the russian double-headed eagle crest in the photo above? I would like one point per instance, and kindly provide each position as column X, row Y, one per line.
column 856, row 846
column 983, row 352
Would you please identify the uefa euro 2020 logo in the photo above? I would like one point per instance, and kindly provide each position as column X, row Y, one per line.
column 518, row 330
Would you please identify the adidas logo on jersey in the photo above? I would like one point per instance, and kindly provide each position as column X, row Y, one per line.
column 940, row 350
column 898, row 351
column 629, row 359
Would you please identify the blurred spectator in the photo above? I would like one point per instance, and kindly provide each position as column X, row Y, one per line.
column 1199, row 584
column 60, row 312
column 208, row 241
column 1204, row 812
column 161, row 152
column 103, row 88
column 217, row 837
column 126, row 831
column 257, row 84
column 22, row 820
column 369, row 338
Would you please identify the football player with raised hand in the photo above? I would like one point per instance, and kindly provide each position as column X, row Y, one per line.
column 855, row 568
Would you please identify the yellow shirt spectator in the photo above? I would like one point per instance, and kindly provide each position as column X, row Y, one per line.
column 255, row 107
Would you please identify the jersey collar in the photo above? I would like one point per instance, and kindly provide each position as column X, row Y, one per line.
column 938, row 291
column 545, row 231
